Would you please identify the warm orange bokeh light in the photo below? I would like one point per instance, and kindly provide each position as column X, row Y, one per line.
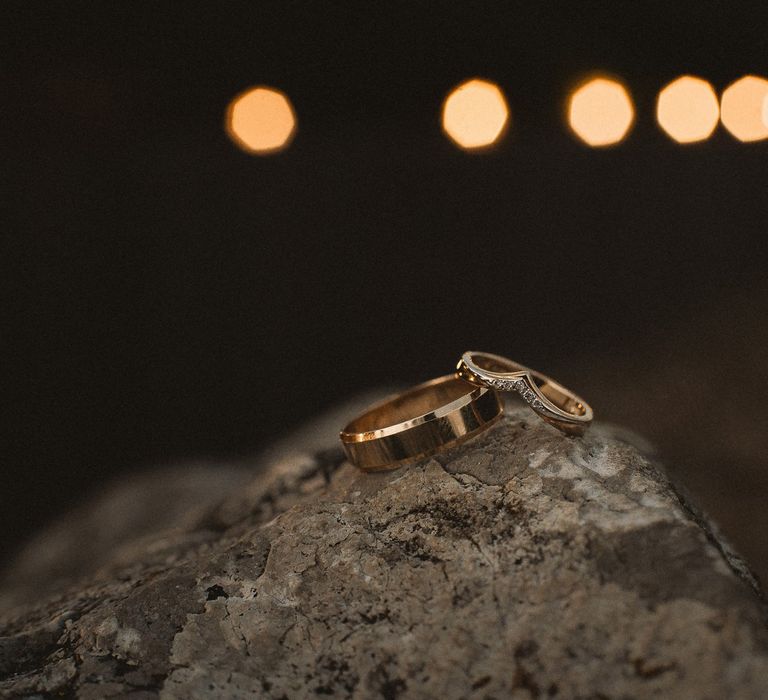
column 765, row 111
column 742, row 108
column 261, row 120
column 475, row 114
column 601, row 112
column 687, row 109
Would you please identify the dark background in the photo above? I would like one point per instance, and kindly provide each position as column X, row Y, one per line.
column 168, row 296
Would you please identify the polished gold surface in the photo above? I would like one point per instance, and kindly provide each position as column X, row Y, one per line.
column 552, row 401
column 419, row 422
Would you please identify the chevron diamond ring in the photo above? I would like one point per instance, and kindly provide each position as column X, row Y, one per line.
column 553, row 402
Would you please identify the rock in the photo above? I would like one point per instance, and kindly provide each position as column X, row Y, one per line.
column 521, row 564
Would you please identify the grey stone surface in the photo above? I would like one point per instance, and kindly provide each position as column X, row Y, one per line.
column 522, row 564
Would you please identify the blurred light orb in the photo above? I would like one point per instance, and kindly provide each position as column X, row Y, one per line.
column 742, row 108
column 765, row 111
column 475, row 114
column 600, row 112
column 261, row 120
column 688, row 109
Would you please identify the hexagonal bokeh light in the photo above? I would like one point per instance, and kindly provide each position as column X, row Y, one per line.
column 261, row 120
column 687, row 109
column 475, row 114
column 600, row 112
column 743, row 110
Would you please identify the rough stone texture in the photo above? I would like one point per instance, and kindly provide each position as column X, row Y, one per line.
column 522, row 564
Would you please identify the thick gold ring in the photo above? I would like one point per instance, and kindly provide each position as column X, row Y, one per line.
column 419, row 422
column 552, row 401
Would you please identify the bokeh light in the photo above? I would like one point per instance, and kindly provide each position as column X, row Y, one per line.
column 600, row 112
column 261, row 120
column 688, row 109
column 765, row 111
column 742, row 108
column 475, row 114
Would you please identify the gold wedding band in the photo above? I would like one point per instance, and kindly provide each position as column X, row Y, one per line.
column 552, row 401
column 419, row 422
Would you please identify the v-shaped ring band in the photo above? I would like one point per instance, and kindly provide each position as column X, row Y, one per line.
column 552, row 401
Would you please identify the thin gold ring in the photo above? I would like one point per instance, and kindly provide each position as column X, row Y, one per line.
column 552, row 401
column 419, row 422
